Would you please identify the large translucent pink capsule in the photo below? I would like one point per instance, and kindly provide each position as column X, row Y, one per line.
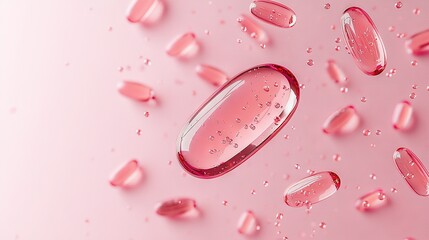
column 418, row 43
column 253, row 29
column 336, row 73
column 237, row 120
column 402, row 118
column 412, row 170
column 144, row 10
column 176, row 207
column 371, row 201
column 127, row 175
column 183, row 46
column 211, row 74
column 342, row 121
column 312, row 189
column 363, row 41
column 136, row 91
column 274, row 13
column 247, row 224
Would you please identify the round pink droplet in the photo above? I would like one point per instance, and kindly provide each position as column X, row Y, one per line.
column 342, row 121
column 176, row 207
column 183, row 46
column 253, row 29
column 127, row 175
column 136, row 91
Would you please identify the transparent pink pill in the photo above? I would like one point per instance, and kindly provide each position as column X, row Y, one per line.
column 176, row 207
column 253, row 29
column 371, row 201
column 136, row 91
column 336, row 73
column 247, row 224
column 183, row 46
column 412, row 170
column 211, row 74
column 402, row 118
column 418, row 44
column 274, row 13
column 363, row 40
column 140, row 10
column 312, row 189
column 237, row 120
column 344, row 120
column 127, row 175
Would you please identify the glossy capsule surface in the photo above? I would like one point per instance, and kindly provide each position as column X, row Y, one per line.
column 343, row 120
column 418, row 43
column 175, row 207
column 412, row 170
column 274, row 13
column 371, row 201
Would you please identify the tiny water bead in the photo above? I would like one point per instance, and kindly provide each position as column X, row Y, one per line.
column 211, row 74
column 402, row 118
column 418, row 43
column 336, row 157
column 145, row 11
column 312, row 189
column 413, row 95
column 327, row 6
column 310, row 62
column 398, row 5
column 372, row 176
column 363, row 99
column 344, row 89
column 322, row 225
column 247, row 223
column 136, row 91
column 274, row 13
column 335, row 72
column 342, row 121
column 252, row 29
column 371, row 201
column 127, row 175
column 416, row 11
column 176, row 207
column 363, row 41
column 414, row 63
column 183, row 46
column 412, row 170
column 366, row 132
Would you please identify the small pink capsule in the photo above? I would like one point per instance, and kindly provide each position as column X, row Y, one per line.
column 371, row 201
column 274, row 13
column 402, row 116
column 363, row 41
column 145, row 11
column 344, row 120
column 312, row 189
column 247, row 224
column 336, row 73
column 136, row 91
column 412, row 170
column 253, row 29
column 211, row 74
column 127, row 175
column 418, row 43
column 176, row 207
column 183, row 46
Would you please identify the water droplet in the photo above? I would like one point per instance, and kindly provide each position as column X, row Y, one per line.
column 146, row 114
column 366, row 132
column 416, row 11
column 416, row 174
column 147, row 62
column 373, row 176
column 183, row 46
column 136, row 91
column 371, row 201
column 274, row 13
column 394, row 190
column 297, row 166
column 310, row 62
column 309, row 50
column 224, row 202
column 413, row 95
column 176, row 207
column 247, row 224
column 398, row 5
column 279, row 216
column 378, row 132
column 336, row 157
column 253, row 29
column 363, row 99
column 211, row 74
column 414, row 63
column 342, row 121
column 344, row 89
column 127, row 175
column 322, row 225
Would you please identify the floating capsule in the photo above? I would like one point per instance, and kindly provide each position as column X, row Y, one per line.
column 363, row 41
column 412, row 170
column 136, row 91
column 211, row 74
column 253, row 29
column 145, row 11
column 336, row 73
column 247, row 224
column 418, row 43
column 183, row 46
column 371, row 201
column 214, row 142
column 176, row 207
column 342, row 121
column 274, row 13
column 402, row 116
column 127, row 175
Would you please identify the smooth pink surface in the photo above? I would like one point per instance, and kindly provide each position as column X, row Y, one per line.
column 176, row 207
column 135, row 90
column 247, row 223
column 64, row 127
column 412, row 170
column 371, row 201
column 344, row 120
column 418, row 43
column 274, row 13
column 402, row 118
column 211, row 74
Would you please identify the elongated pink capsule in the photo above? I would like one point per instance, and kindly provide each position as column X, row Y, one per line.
column 335, row 72
column 247, row 223
column 412, row 170
column 312, row 189
column 418, row 43
column 402, row 116
column 342, row 121
column 237, row 120
column 363, row 41
column 183, row 46
column 176, row 207
column 274, row 13
column 371, row 201
column 127, row 175
column 140, row 10
column 136, row 91
column 211, row 74
column 253, row 29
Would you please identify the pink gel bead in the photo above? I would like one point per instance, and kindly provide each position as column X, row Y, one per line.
column 336, row 73
column 274, row 13
column 211, row 74
column 312, row 189
column 127, row 175
column 371, row 201
column 139, row 9
column 342, row 121
column 253, row 29
column 183, row 46
column 247, row 223
column 418, row 43
column 363, row 41
column 237, row 120
column 136, row 91
column 412, row 170
column 402, row 118
column 176, row 207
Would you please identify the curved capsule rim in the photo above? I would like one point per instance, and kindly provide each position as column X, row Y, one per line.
column 253, row 5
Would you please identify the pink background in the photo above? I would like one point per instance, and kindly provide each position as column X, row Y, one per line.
column 64, row 127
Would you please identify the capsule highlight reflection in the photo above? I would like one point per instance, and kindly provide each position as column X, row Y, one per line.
column 402, row 118
column 344, row 120
column 183, row 46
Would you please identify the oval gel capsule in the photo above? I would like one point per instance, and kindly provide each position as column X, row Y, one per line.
column 412, row 170
column 144, row 10
column 237, row 120
column 183, row 46
column 342, row 121
column 136, row 91
column 402, row 118
column 127, row 175
column 312, row 189
column 371, row 201
column 176, row 207
column 418, row 43
column 274, row 13
column 211, row 74
column 363, row 41
column 247, row 223
column 253, row 29
column 336, row 73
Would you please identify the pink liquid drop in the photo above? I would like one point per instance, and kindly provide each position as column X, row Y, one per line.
column 138, row 10
column 136, row 91
column 412, row 170
column 312, row 189
column 363, row 41
column 274, row 13
column 336, row 73
column 402, row 116
column 211, row 74
column 371, row 201
column 237, row 120
column 247, row 224
column 183, row 46
column 253, row 29
column 127, row 175
column 418, row 43
column 342, row 121
column 176, row 207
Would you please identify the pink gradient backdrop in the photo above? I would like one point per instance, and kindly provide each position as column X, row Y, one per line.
column 64, row 127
